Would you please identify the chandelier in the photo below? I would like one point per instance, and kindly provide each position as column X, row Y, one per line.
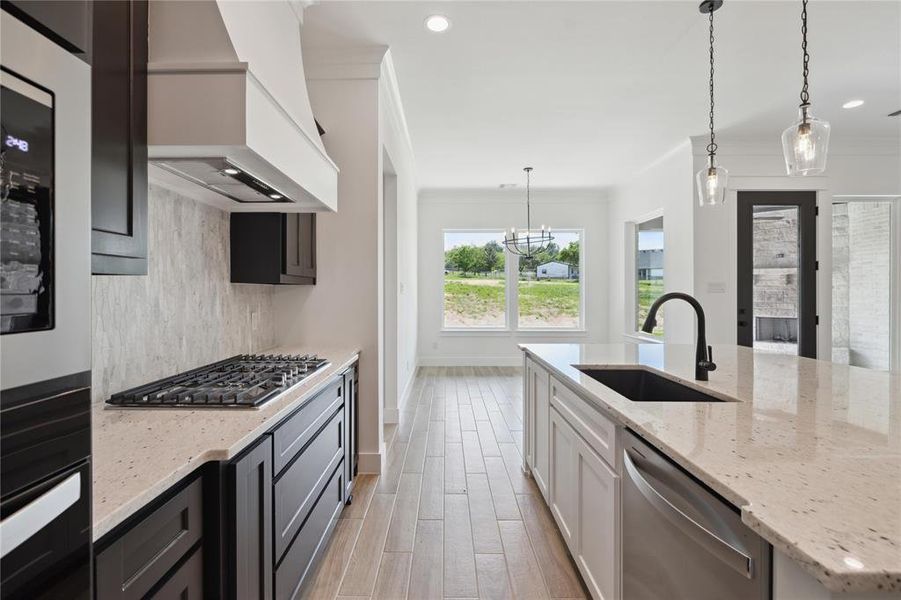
column 527, row 243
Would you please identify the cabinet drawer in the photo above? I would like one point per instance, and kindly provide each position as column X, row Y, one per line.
column 595, row 428
column 312, row 539
column 135, row 562
column 294, row 432
column 186, row 583
column 299, row 486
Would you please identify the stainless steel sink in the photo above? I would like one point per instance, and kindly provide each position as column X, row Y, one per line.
column 643, row 386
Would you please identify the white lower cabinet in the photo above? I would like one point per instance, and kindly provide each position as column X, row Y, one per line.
column 562, row 485
column 578, row 483
column 596, row 539
column 538, row 397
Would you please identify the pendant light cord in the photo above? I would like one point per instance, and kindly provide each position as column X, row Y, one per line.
column 805, row 96
column 711, row 147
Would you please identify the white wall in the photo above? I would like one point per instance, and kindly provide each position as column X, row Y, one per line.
column 355, row 98
column 854, row 167
column 400, row 295
column 342, row 309
column 664, row 185
column 501, row 209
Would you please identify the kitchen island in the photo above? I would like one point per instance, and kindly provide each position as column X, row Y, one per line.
column 808, row 451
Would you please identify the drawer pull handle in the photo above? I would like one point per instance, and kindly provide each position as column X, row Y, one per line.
column 37, row 514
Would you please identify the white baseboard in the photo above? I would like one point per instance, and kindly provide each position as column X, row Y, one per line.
column 470, row 361
column 370, row 462
column 392, row 415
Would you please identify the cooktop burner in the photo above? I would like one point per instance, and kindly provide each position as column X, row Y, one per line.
column 243, row 381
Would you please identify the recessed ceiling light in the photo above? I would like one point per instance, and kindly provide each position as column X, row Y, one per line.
column 230, row 171
column 275, row 196
column 852, row 104
column 437, row 23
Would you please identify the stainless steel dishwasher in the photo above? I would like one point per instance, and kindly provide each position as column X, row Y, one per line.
column 680, row 541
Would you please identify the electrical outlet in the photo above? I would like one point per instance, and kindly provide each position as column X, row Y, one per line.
column 254, row 320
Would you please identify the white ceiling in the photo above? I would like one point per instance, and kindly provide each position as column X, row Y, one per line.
column 590, row 92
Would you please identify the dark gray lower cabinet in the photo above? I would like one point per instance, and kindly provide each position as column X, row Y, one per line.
column 250, row 544
column 187, row 581
column 350, row 430
column 150, row 551
column 298, row 562
column 249, row 529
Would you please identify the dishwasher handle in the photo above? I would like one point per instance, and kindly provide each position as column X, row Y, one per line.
column 723, row 550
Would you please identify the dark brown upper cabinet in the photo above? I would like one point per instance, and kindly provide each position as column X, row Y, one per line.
column 274, row 248
column 66, row 22
column 119, row 144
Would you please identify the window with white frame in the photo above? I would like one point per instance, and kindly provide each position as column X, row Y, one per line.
column 549, row 285
column 649, row 274
column 475, row 280
column 548, row 293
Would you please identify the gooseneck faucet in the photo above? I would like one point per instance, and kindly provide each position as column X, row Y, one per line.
column 704, row 353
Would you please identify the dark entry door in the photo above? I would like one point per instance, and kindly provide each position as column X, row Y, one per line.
column 777, row 272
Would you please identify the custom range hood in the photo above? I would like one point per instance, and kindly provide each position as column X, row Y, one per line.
column 229, row 118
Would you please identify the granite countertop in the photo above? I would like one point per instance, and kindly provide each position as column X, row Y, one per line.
column 139, row 453
column 811, row 452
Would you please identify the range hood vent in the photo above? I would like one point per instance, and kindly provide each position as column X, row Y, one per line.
column 229, row 119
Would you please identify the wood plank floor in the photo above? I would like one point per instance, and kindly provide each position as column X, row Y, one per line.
column 453, row 516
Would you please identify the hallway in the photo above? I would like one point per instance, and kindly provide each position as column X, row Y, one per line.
column 453, row 501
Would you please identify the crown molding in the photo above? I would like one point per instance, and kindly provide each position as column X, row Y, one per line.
column 546, row 196
column 394, row 104
column 343, row 62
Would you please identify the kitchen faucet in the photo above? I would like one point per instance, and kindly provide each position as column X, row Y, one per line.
column 704, row 353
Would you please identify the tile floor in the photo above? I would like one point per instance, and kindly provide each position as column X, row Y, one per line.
column 453, row 516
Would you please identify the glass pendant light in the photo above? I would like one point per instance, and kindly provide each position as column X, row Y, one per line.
column 528, row 243
column 711, row 181
column 806, row 141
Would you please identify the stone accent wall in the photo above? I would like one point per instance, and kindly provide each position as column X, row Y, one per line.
column 869, row 284
column 185, row 312
column 776, row 263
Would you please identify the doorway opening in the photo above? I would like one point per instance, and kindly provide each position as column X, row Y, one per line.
column 865, row 296
column 777, row 272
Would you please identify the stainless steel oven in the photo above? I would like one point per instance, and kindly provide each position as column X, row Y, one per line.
column 45, row 317
column 45, row 211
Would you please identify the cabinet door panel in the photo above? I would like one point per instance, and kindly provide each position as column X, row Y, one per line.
column 597, row 546
column 186, row 583
column 251, row 541
column 300, row 244
column 119, row 138
column 561, row 486
column 540, row 395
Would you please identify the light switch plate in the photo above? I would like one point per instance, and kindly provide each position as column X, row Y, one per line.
column 716, row 287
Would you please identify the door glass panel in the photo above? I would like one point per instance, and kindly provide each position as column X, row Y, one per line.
column 862, row 283
column 776, row 253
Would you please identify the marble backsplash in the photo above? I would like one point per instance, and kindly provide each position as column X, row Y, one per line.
column 184, row 313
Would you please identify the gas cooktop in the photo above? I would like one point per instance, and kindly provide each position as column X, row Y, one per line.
column 243, row 381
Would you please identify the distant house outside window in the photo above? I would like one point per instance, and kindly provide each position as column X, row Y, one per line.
column 649, row 254
column 549, row 285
